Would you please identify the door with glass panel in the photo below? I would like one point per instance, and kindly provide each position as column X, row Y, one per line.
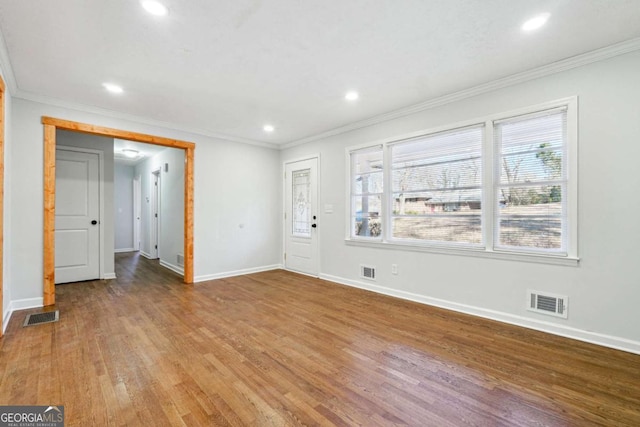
column 301, row 216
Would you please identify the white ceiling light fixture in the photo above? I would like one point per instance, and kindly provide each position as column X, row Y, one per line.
column 113, row 88
column 130, row 153
column 155, row 8
column 536, row 22
column 351, row 95
column 269, row 128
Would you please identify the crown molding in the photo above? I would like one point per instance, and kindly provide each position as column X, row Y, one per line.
column 46, row 100
column 6, row 68
column 536, row 73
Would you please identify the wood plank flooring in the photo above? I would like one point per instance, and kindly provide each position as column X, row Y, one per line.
column 280, row 349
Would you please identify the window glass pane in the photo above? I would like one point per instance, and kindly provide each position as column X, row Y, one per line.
column 458, row 226
column 301, row 208
column 535, row 221
column 367, row 186
column 437, row 179
column 367, row 183
column 436, row 202
column 531, row 210
column 367, row 226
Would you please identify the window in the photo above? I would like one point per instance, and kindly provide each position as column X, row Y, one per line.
column 366, row 192
column 437, row 187
column 532, row 184
column 503, row 186
column 301, row 206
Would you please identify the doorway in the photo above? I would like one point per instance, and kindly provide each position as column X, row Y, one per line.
column 50, row 127
column 301, row 216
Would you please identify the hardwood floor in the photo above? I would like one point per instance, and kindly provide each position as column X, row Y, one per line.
column 277, row 348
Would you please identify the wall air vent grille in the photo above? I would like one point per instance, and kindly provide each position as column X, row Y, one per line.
column 40, row 318
column 553, row 305
column 367, row 272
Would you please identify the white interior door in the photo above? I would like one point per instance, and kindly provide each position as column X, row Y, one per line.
column 77, row 229
column 301, row 210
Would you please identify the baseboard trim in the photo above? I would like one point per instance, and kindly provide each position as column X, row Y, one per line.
column 172, row 267
column 215, row 276
column 21, row 304
column 146, row 255
column 119, row 251
column 604, row 340
column 6, row 316
column 109, row 276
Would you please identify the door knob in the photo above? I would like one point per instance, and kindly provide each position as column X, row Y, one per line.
column 94, row 222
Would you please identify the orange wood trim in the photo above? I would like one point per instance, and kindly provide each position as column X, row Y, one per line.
column 50, row 126
column 49, row 214
column 2, row 124
column 188, row 215
column 116, row 133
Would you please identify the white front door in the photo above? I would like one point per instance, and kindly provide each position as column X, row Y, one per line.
column 77, row 229
column 301, row 216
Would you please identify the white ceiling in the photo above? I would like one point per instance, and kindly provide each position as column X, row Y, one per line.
column 229, row 67
column 145, row 151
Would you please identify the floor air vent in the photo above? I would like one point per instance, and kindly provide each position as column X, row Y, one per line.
column 553, row 305
column 39, row 318
column 367, row 272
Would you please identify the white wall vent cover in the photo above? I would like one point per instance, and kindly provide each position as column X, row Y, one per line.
column 545, row 303
column 367, row 272
column 180, row 260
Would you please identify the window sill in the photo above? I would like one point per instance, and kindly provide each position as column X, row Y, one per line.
column 480, row 253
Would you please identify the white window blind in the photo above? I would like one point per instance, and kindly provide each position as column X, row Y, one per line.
column 531, row 182
column 367, row 185
column 436, row 190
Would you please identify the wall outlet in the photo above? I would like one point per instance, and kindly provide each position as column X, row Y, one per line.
column 394, row 268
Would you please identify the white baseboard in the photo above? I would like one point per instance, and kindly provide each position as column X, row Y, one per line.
column 21, row 304
column 610, row 341
column 109, row 276
column 215, row 276
column 146, row 255
column 6, row 316
column 118, row 251
column 172, row 267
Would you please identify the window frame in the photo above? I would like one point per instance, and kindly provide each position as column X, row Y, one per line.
column 489, row 196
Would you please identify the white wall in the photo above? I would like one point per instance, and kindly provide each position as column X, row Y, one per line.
column 123, row 204
column 240, row 203
column 171, row 236
column 232, row 182
column 7, row 235
column 99, row 143
column 603, row 290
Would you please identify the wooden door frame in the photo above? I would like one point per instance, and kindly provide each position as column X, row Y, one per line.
column 2, row 124
column 50, row 126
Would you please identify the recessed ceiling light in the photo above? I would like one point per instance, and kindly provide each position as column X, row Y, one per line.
column 130, row 152
column 112, row 88
column 268, row 128
column 351, row 96
column 155, row 8
column 536, row 22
